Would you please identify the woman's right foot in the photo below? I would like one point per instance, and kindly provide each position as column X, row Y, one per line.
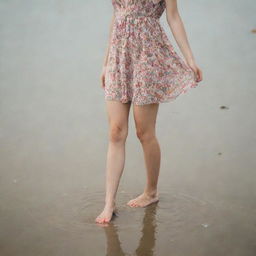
column 106, row 215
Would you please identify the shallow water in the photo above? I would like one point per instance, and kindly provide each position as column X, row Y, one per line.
column 53, row 136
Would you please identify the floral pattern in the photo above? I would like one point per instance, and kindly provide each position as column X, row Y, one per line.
column 142, row 65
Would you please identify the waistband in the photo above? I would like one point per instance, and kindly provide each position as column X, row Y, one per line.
column 125, row 22
column 133, row 15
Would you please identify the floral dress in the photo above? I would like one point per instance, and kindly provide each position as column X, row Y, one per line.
column 142, row 65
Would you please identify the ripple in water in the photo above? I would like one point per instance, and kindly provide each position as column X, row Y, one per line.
column 76, row 211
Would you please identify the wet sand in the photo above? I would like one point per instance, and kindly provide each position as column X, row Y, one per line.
column 53, row 134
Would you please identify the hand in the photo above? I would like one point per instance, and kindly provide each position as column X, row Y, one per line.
column 102, row 77
column 196, row 69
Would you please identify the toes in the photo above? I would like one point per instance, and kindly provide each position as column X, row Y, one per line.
column 106, row 220
column 98, row 220
column 134, row 204
column 130, row 202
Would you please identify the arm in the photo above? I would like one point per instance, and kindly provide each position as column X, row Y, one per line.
column 177, row 27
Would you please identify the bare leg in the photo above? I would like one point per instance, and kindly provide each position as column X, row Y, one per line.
column 118, row 114
column 145, row 120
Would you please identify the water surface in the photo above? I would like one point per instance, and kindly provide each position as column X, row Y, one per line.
column 53, row 136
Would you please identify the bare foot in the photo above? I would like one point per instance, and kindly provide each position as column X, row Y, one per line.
column 143, row 200
column 107, row 214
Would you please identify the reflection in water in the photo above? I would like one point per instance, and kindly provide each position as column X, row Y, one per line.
column 147, row 241
column 53, row 138
column 113, row 242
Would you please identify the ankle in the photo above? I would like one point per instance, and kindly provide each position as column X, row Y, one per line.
column 150, row 192
column 110, row 203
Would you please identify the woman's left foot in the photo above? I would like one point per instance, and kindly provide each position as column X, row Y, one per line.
column 143, row 200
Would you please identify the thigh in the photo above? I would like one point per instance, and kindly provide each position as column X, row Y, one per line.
column 118, row 113
column 145, row 116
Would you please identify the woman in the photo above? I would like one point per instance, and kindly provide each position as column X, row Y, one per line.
column 141, row 67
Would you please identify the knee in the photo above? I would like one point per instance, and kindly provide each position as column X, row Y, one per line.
column 118, row 133
column 145, row 135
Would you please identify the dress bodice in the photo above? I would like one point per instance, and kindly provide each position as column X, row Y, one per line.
column 135, row 8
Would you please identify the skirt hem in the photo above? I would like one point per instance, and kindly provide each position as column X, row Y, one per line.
column 165, row 99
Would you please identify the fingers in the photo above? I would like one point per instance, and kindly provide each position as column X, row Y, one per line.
column 199, row 75
column 103, row 77
column 197, row 72
column 103, row 81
